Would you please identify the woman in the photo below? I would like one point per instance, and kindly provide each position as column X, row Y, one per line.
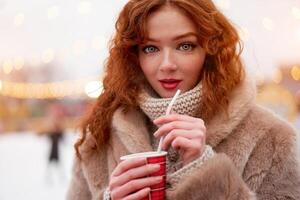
column 221, row 145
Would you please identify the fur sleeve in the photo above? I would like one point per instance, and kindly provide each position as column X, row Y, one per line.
column 217, row 179
column 283, row 179
column 78, row 188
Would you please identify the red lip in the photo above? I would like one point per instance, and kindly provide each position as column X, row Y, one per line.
column 169, row 84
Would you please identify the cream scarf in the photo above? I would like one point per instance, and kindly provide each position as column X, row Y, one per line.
column 186, row 104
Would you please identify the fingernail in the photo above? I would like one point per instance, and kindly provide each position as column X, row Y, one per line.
column 148, row 190
column 158, row 179
column 156, row 167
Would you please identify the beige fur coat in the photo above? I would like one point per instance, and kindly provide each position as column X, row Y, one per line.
column 255, row 156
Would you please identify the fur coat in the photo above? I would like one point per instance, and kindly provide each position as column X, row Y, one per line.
column 255, row 156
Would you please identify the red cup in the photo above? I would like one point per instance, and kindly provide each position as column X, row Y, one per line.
column 153, row 157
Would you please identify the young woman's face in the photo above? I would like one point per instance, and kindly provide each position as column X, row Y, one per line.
column 172, row 58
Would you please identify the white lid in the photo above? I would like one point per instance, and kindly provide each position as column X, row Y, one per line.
column 148, row 154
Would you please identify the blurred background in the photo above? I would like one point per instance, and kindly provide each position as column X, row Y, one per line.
column 51, row 65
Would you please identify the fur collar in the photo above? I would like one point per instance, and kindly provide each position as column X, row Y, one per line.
column 239, row 104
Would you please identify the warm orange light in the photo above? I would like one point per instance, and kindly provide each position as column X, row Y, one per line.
column 44, row 90
column 295, row 73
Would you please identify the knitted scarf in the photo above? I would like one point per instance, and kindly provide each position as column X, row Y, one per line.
column 186, row 104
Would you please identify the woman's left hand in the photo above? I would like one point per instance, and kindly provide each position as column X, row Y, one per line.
column 185, row 134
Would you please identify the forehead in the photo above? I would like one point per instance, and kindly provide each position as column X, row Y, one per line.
column 169, row 21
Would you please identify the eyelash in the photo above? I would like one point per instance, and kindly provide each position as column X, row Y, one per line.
column 191, row 47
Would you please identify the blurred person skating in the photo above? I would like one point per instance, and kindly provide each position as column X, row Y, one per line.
column 55, row 135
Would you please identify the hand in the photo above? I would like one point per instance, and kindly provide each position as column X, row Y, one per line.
column 185, row 134
column 129, row 179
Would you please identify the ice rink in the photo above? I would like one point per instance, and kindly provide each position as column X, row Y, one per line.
column 24, row 173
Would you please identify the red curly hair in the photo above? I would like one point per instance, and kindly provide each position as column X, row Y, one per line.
column 222, row 66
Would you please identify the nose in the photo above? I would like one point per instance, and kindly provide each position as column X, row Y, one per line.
column 168, row 62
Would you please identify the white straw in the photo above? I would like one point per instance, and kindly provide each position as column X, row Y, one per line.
column 167, row 113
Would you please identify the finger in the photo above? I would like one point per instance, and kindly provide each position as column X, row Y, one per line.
column 176, row 117
column 133, row 173
column 185, row 144
column 128, row 164
column 192, row 153
column 135, row 185
column 138, row 195
column 166, row 128
column 191, row 135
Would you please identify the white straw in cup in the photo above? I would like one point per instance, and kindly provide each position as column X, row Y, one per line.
column 167, row 113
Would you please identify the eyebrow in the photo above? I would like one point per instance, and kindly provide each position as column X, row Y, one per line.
column 177, row 37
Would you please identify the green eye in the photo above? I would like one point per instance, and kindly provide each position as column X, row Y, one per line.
column 150, row 49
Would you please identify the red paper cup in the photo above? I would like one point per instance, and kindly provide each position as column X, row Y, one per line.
column 154, row 157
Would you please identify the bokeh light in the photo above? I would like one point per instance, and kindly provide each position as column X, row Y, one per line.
column 48, row 56
column 295, row 72
column 223, row 4
column 84, row 7
column 53, row 12
column 296, row 12
column 93, row 89
column 268, row 24
column 7, row 66
column 19, row 63
column 19, row 19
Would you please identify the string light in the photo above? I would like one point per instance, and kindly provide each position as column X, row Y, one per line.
column 51, row 90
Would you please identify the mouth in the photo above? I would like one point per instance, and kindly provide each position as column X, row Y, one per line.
column 170, row 84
